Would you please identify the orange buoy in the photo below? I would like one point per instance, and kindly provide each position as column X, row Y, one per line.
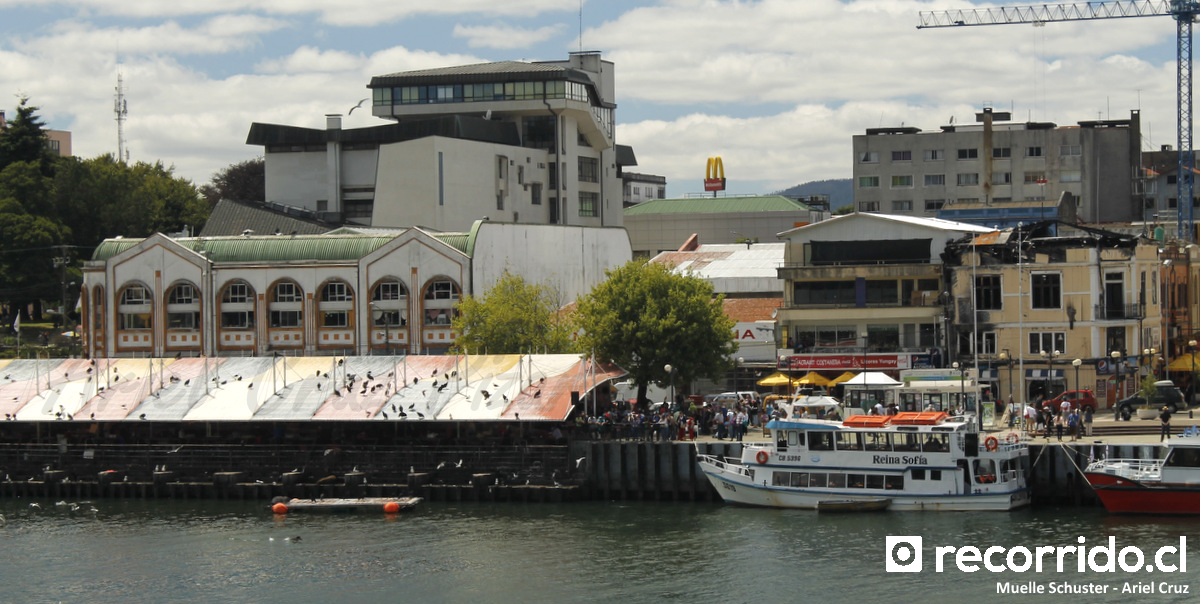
column 279, row 508
column 392, row 507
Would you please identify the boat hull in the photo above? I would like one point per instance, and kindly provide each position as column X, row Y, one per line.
column 736, row 488
column 1124, row 496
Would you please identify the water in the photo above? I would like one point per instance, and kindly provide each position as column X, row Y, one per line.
column 134, row 551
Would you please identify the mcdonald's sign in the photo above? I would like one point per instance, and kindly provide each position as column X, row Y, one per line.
column 715, row 175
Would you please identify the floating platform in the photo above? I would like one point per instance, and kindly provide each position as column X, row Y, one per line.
column 854, row 505
column 387, row 505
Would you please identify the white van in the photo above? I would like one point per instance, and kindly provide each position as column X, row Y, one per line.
column 728, row 399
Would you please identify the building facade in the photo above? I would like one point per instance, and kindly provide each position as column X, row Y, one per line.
column 907, row 171
column 662, row 225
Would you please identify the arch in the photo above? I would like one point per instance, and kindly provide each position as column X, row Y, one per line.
column 336, row 290
column 236, row 305
column 389, row 302
column 135, row 303
column 285, row 291
column 237, row 291
column 440, row 294
column 183, row 305
column 336, row 298
column 286, row 315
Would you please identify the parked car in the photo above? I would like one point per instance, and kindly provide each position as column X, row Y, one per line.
column 1167, row 395
column 1080, row 399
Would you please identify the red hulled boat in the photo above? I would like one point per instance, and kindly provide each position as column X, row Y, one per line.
column 1166, row 486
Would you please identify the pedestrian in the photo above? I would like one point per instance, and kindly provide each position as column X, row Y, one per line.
column 1074, row 425
column 1166, row 425
column 1059, row 421
column 1087, row 421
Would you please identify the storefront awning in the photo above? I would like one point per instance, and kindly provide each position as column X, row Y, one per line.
column 1042, row 374
column 1185, row 362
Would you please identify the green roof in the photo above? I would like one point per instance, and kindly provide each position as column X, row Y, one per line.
column 716, row 205
column 279, row 248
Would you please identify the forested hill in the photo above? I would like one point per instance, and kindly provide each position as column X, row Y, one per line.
column 838, row 189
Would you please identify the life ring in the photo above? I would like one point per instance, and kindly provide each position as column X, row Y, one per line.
column 762, row 457
column 1012, row 438
column 991, row 443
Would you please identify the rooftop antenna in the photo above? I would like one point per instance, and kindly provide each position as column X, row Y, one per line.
column 580, row 24
column 120, row 109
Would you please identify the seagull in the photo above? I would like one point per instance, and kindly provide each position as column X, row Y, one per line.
column 580, row 461
column 34, row 505
column 357, row 105
column 414, row 381
column 441, row 465
column 537, row 393
column 420, row 415
column 175, row 450
column 187, row 381
column 460, row 464
column 516, row 416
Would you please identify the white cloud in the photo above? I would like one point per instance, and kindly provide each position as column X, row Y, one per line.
column 505, row 36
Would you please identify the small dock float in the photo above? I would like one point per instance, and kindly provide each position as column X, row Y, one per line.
column 387, row 505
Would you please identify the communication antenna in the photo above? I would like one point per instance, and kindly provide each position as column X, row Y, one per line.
column 580, row 24
column 120, row 109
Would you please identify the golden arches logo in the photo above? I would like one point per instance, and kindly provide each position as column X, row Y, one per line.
column 715, row 174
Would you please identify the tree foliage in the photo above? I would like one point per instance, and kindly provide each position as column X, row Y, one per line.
column 24, row 140
column 512, row 317
column 644, row 317
column 244, row 181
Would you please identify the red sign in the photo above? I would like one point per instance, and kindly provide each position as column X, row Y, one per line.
column 715, row 175
column 715, row 184
column 847, row 362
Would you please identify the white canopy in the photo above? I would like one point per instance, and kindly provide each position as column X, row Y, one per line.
column 872, row 378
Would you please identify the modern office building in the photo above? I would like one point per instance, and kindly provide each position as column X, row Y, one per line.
column 996, row 172
column 510, row 141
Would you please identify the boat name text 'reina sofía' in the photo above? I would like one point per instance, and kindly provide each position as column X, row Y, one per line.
column 914, row 460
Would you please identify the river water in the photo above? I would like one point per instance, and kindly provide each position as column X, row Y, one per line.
column 219, row 551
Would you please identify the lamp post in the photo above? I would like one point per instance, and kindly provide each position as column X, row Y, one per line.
column 1077, row 371
column 1114, row 357
column 963, row 371
column 1005, row 356
column 381, row 316
column 738, row 371
column 672, row 381
column 1047, row 381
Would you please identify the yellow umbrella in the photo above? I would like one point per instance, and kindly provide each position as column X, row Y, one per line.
column 774, row 380
column 847, row 375
column 1185, row 362
column 812, row 379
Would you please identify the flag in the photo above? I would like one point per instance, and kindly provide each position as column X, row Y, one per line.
column 17, row 324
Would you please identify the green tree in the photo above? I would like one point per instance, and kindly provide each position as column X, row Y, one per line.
column 512, row 317
column 24, row 139
column 27, row 258
column 244, row 181
column 644, row 317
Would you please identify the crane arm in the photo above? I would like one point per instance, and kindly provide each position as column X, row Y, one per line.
column 1044, row 13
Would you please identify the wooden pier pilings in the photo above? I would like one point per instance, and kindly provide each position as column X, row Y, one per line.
column 578, row 471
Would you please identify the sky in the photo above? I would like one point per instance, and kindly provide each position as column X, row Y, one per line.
column 777, row 88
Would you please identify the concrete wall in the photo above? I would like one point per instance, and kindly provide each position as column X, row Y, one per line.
column 572, row 260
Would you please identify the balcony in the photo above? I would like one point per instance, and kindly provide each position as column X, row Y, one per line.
column 1118, row 312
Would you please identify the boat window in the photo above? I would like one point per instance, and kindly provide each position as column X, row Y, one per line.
column 895, row 483
column 935, row 443
column 780, row 479
column 936, row 474
column 876, row 481
column 848, row 441
column 817, row 479
column 855, row 481
column 836, row 481
column 782, row 440
column 905, row 442
column 800, row 479
column 918, row 473
column 876, row 441
column 801, row 438
column 1182, row 458
column 985, row 471
column 822, row 441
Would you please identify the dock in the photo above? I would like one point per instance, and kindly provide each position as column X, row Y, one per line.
column 387, row 505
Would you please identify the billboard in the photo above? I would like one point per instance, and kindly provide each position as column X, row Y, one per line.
column 715, row 175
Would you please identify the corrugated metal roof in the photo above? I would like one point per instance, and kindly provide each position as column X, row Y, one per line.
column 934, row 223
column 501, row 71
column 233, row 217
column 281, row 248
column 716, row 205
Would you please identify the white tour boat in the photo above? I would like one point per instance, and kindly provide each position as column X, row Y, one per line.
column 915, row 460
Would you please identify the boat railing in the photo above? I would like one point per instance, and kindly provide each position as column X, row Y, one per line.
column 1133, row 469
column 728, row 464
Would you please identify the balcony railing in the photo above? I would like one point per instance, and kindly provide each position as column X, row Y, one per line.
column 1118, row 312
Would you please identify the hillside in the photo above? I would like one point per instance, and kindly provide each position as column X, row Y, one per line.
column 839, row 190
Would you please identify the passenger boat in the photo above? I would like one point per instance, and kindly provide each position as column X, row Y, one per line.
column 915, row 460
column 1150, row 486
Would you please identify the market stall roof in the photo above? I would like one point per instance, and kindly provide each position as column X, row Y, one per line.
column 872, row 378
column 847, row 375
column 774, row 380
column 386, row 388
column 813, row 378
column 1185, row 362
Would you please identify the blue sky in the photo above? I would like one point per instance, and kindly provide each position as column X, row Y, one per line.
column 775, row 87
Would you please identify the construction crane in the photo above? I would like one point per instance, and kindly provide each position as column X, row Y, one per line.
column 1185, row 12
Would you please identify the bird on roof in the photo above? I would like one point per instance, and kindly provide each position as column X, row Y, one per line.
column 357, row 105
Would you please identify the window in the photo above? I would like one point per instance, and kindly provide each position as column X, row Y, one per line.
column 1070, row 150
column 285, row 318
column 334, row 318
column 243, row 319
column 336, row 291
column 932, row 155
column 588, row 204
column 287, row 292
column 183, row 293
column 388, row 318
column 1034, row 178
column 966, row 153
column 901, row 156
column 389, row 290
column 1034, row 151
column 870, row 206
column 135, row 294
column 988, row 342
column 902, row 182
column 1045, row 291
column 442, row 290
column 1070, row 176
column 1000, row 178
column 183, row 320
column 933, row 205
column 989, row 292
column 133, row 320
column 933, row 180
column 869, row 157
column 967, row 179
column 1039, row 341
column 440, row 316
column 536, row 193
column 1001, row 152
column 587, row 166
column 870, row 182
column 903, row 205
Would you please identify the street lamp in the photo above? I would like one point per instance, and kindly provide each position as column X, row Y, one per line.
column 1115, row 356
column 1077, row 370
column 738, row 370
column 961, row 371
column 1150, row 354
column 672, row 381
column 1005, row 356
column 1047, row 381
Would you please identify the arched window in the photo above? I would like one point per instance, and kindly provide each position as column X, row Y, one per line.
column 389, row 303
column 183, row 306
column 285, row 309
column 337, row 298
column 237, row 305
column 134, row 308
column 439, row 304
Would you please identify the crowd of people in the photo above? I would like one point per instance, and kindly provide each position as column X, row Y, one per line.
column 685, row 419
column 1065, row 420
